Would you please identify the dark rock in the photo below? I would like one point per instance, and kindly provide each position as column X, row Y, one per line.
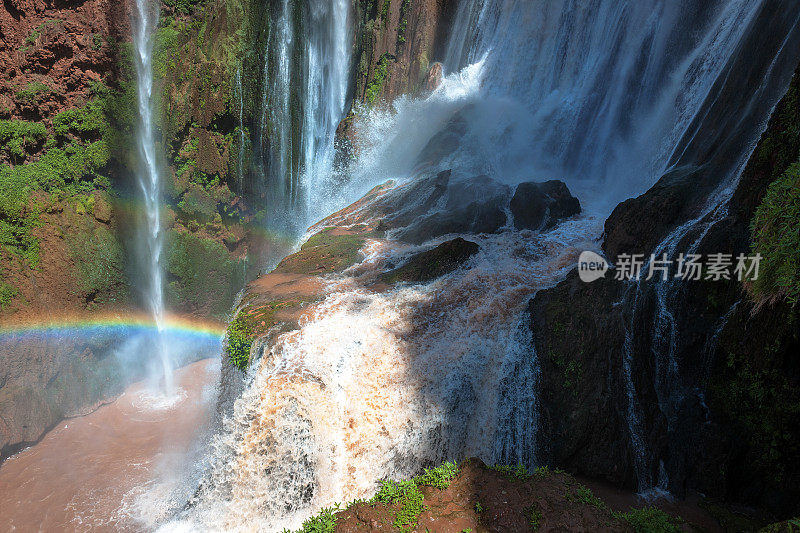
column 439, row 204
column 475, row 205
column 434, row 263
column 578, row 336
column 541, row 205
column 445, row 142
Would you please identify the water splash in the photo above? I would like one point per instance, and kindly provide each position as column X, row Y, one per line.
column 151, row 239
column 377, row 385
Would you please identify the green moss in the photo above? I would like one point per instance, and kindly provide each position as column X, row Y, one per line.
column 650, row 520
column 402, row 25
column 325, row 252
column 99, row 263
column 379, row 77
column 203, row 276
column 33, row 93
column 571, row 371
column 776, row 239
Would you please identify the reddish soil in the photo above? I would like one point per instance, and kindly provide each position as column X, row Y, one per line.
column 65, row 45
column 505, row 504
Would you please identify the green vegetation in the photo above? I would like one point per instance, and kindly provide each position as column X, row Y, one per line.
column 408, row 495
column 405, row 494
column 534, row 516
column 184, row 6
column 585, row 495
column 403, row 24
column 385, row 12
column 203, row 274
column 514, row 473
column 788, row 526
column 239, row 342
column 379, row 77
column 571, row 372
column 33, row 93
column 325, row 252
column 765, row 405
column 650, row 520
column 99, row 262
column 324, row 522
column 19, row 137
column 776, row 239
column 7, row 294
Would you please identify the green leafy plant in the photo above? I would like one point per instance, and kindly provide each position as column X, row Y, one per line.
column 776, row 239
column 650, row 520
column 534, row 516
column 239, row 341
column 585, row 495
column 324, row 522
column 33, row 92
column 515, row 473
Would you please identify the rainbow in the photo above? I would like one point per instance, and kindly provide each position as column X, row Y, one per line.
column 112, row 322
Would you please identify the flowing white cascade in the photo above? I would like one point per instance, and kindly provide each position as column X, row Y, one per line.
column 379, row 384
column 152, row 238
column 306, row 85
column 590, row 92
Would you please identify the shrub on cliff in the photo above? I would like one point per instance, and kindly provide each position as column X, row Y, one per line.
column 777, row 238
column 239, row 341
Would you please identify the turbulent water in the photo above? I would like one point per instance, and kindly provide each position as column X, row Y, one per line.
column 380, row 384
column 151, row 240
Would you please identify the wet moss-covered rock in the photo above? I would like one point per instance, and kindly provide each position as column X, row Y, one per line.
column 328, row 251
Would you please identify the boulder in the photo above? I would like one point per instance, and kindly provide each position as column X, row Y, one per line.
column 433, row 263
column 475, row 205
column 541, row 205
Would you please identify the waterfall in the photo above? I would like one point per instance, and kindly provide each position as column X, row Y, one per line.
column 378, row 384
column 306, row 71
column 151, row 233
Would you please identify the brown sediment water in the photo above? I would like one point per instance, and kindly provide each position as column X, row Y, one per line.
column 95, row 473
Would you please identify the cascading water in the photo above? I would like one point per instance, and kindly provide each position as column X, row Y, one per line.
column 654, row 331
column 151, row 241
column 378, row 384
column 306, row 79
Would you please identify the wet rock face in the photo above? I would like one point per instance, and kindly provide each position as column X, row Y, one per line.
column 578, row 336
column 434, row 263
column 541, row 205
column 724, row 423
column 444, row 203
